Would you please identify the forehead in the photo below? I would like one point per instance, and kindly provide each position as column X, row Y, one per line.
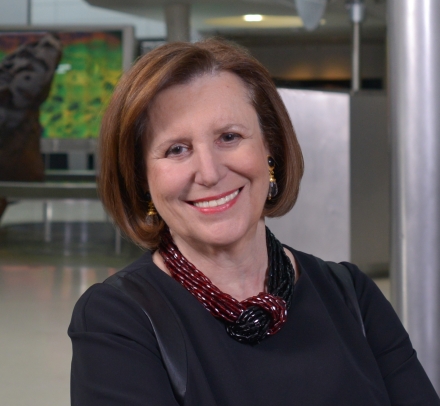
column 215, row 96
column 205, row 83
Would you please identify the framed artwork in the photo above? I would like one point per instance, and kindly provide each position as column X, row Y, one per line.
column 92, row 63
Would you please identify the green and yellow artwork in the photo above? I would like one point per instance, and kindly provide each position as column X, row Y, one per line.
column 86, row 76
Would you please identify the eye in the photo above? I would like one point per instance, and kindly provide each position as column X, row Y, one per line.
column 176, row 150
column 229, row 137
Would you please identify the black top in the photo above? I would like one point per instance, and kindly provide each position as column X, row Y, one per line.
column 319, row 357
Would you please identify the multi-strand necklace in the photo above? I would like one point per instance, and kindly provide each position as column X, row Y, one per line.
column 252, row 319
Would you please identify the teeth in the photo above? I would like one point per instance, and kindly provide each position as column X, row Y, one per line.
column 218, row 202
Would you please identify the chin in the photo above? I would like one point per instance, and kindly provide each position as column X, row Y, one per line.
column 224, row 235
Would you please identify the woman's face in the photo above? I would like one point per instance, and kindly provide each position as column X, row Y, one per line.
column 207, row 161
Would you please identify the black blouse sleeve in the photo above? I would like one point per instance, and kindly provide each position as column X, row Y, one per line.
column 116, row 360
column 405, row 379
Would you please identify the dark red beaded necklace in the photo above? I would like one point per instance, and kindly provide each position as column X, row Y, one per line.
column 252, row 319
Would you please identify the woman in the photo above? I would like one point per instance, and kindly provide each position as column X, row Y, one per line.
column 197, row 149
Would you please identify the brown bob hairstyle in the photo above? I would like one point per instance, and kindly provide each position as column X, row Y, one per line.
column 122, row 180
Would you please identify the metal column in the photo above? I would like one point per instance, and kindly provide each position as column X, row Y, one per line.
column 177, row 18
column 356, row 9
column 356, row 58
column 414, row 90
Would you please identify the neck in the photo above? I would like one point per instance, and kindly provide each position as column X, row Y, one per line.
column 238, row 269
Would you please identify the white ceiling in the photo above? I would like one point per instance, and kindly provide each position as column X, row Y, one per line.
column 211, row 17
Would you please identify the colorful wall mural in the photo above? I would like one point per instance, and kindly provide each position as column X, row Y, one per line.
column 86, row 76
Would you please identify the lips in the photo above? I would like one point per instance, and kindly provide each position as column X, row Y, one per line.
column 216, row 202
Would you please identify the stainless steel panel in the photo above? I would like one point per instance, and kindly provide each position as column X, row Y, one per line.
column 370, row 182
column 414, row 66
column 320, row 221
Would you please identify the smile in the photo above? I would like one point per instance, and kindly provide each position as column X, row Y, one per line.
column 217, row 202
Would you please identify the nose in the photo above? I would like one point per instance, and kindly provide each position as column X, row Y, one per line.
column 209, row 168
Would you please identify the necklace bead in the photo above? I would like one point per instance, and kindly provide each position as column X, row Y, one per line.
column 252, row 319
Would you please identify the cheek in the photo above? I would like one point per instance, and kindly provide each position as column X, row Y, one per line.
column 256, row 165
column 165, row 183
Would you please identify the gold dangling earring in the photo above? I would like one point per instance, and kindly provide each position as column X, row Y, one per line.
column 151, row 209
column 273, row 187
column 152, row 212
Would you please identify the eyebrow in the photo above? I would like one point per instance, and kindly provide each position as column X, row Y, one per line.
column 228, row 127
column 185, row 139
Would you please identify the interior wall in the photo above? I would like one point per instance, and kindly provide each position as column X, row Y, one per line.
column 325, row 61
column 13, row 12
column 370, row 176
column 78, row 12
column 319, row 223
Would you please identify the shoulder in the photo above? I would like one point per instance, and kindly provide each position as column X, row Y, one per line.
column 368, row 295
column 317, row 267
column 104, row 307
column 375, row 308
column 307, row 262
column 143, row 265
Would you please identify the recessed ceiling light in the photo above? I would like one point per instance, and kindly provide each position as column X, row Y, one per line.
column 253, row 17
column 266, row 21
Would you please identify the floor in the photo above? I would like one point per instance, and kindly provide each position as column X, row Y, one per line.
column 39, row 285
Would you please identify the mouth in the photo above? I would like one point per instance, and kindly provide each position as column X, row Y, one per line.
column 203, row 204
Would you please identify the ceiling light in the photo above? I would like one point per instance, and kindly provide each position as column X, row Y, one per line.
column 253, row 17
column 311, row 12
column 267, row 21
